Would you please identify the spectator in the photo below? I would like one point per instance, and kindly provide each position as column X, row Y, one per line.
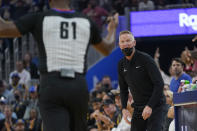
column 31, row 102
column 98, row 86
column 111, row 116
column 16, row 85
column 125, row 125
column 14, row 81
column 132, row 5
column 166, row 78
column 112, row 111
column 24, row 75
column 146, row 5
column 4, row 92
column 194, row 79
column 33, row 123
column 160, row 3
column 101, row 93
column 188, row 61
column 109, row 95
column 172, row 126
column 98, row 94
column 8, row 122
column 166, row 87
column 106, row 83
column 170, row 114
column 177, row 67
column 194, row 39
column 30, row 66
column 20, row 125
column 34, row 8
column 6, row 14
column 116, row 94
column 18, row 9
column 118, row 6
column 18, row 105
column 3, row 104
column 106, row 4
column 95, row 12
column 95, row 104
column 169, row 106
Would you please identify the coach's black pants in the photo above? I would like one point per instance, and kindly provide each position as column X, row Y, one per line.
column 153, row 123
column 63, row 102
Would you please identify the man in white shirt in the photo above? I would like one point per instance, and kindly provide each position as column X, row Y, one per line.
column 25, row 76
column 146, row 5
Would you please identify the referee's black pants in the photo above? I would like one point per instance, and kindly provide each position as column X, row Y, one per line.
column 63, row 102
column 153, row 123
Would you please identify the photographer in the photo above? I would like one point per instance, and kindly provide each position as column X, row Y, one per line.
column 18, row 105
column 110, row 117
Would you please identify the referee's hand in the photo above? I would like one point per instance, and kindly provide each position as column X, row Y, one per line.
column 194, row 39
column 146, row 112
column 113, row 22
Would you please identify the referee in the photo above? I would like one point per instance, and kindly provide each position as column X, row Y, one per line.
column 63, row 38
column 139, row 73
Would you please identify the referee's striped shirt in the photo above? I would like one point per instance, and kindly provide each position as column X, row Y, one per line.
column 63, row 38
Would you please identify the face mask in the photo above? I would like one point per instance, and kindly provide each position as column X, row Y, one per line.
column 127, row 51
column 106, row 85
column 16, row 97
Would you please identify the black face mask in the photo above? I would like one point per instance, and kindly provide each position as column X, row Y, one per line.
column 16, row 97
column 106, row 85
column 127, row 51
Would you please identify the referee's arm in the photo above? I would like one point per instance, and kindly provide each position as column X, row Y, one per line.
column 8, row 29
column 108, row 43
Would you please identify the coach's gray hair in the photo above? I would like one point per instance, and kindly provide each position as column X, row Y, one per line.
column 126, row 32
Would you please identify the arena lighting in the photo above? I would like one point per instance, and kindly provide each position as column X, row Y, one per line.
column 164, row 22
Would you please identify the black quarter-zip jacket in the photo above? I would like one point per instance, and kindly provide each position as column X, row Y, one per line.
column 143, row 78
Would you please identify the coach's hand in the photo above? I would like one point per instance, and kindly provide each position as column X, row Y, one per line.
column 126, row 115
column 194, row 39
column 146, row 112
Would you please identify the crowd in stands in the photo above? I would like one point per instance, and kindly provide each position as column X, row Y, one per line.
column 105, row 106
column 19, row 100
column 19, row 104
column 96, row 9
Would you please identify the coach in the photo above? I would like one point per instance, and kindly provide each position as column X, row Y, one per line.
column 139, row 73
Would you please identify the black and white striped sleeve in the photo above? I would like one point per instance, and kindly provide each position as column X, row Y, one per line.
column 26, row 23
